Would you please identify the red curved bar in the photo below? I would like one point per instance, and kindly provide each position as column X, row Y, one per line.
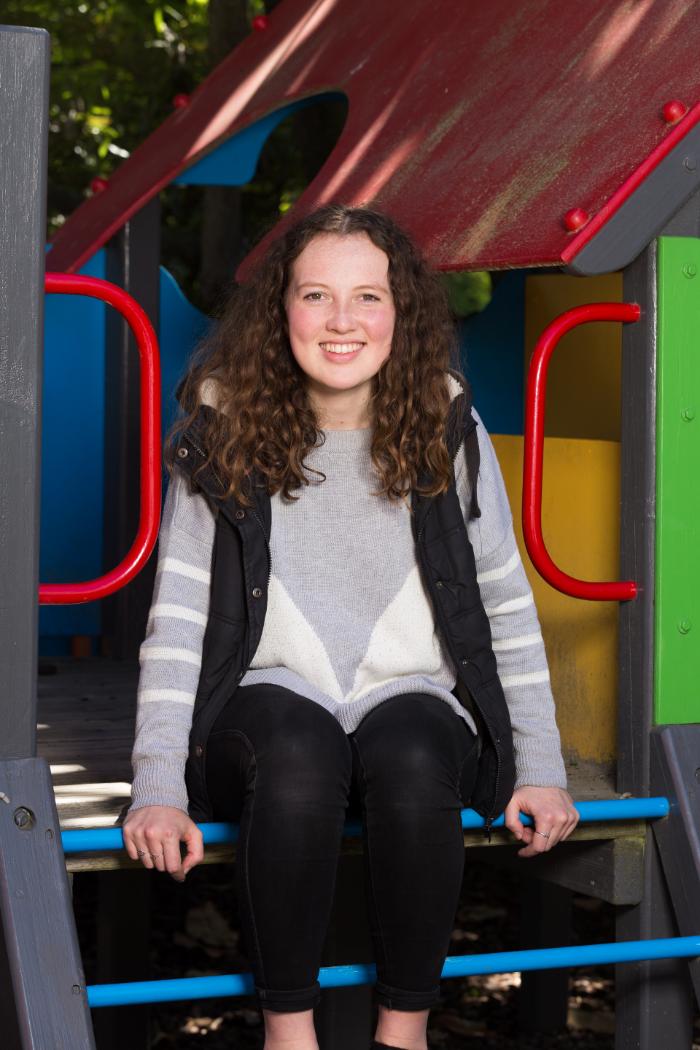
column 534, row 448
column 150, row 481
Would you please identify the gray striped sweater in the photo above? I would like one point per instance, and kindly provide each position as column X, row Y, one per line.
column 348, row 622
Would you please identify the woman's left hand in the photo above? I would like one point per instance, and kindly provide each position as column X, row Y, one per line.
column 552, row 810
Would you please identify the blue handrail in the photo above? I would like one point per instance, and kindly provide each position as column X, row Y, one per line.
column 455, row 966
column 104, row 839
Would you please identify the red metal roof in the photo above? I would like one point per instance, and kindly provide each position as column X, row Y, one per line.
column 478, row 127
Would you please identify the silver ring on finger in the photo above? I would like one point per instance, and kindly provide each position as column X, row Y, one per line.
column 141, row 852
column 544, row 834
column 155, row 856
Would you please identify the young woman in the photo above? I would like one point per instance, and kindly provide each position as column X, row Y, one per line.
column 339, row 625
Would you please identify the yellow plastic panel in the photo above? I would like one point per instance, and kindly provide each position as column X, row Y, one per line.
column 580, row 523
column 583, row 388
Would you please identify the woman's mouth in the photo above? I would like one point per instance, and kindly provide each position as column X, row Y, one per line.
column 341, row 351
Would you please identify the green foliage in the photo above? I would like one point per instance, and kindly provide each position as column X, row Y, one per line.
column 469, row 293
column 115, row 67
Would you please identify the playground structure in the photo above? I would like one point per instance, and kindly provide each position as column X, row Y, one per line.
column 550, row 186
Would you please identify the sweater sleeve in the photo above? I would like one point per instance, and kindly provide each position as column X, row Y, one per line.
column 171, row 654
column 515, row 628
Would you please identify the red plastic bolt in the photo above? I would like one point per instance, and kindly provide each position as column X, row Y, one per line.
column 673, row 111
column 181, row 100
column 260, row 22
column 575, row 218
column 98, row 184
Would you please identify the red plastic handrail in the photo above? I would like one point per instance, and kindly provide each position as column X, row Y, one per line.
column 621, row 590
column 150, row 473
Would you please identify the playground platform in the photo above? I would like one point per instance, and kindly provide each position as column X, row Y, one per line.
column 86, row 713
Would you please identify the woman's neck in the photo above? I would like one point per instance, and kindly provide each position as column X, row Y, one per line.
column 342, row 411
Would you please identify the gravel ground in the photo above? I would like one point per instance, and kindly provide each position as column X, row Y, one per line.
column 195, row 932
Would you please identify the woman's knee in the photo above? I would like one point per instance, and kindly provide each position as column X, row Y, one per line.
column 418, row 745
column 305, row 756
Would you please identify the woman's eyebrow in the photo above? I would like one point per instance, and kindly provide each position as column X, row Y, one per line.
column 320, row 284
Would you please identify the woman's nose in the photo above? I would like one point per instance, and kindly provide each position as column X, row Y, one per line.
column 341, row 318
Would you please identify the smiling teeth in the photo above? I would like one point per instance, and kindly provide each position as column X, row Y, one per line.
column 341, row 348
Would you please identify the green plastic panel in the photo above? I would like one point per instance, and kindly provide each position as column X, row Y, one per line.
column 677, row 586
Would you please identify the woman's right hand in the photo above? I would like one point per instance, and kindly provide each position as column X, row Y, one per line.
column 153, row 835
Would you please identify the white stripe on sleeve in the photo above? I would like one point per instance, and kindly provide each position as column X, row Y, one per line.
column 174, row 696
column 177, row 612
column 501, row 572
column 521, row 642
column 183, row 568
column 166, row 652
column 525, row 679
column 510, row 606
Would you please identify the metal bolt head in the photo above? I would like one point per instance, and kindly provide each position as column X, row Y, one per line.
column 182, row 453
column 673, row 111
column 690, row 270
column 690, row 163
column 688, row 414
column 575, row 219
column 684, row 626
column 23, row 818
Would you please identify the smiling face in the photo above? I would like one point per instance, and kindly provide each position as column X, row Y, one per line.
column 340, row 314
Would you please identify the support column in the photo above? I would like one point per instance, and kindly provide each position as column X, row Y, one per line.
column 43, row 1003
column 652, row 998
column 133, row 258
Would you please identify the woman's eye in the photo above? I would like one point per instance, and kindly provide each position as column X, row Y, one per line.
column 367, row 296
column 313, row 296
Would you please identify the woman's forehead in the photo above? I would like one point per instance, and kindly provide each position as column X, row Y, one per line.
column 340, row 257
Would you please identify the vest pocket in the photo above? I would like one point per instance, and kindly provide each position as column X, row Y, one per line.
column 222, row 639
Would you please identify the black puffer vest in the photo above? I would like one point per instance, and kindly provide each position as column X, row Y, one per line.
column 238, row 601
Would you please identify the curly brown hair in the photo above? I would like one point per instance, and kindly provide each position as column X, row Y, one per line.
column 265, row 424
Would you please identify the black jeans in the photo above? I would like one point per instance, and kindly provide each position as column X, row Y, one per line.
column 284, row 768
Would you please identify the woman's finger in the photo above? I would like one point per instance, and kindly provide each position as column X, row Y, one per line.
column 194, row 842
column 172, row 861
column 154, row 847
column 129, row 844
column 143, row 851
column 511, row 818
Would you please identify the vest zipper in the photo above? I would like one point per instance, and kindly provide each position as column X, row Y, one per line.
column 195, row 446
column 490, row 819
column 267, row 546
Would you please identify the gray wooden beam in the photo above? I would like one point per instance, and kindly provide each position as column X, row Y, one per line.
column 43, row 999
column 24, row 105
column 47, row 997
column 133, row 260
column 611, row 871
column 652, row 998
column 637, row 528
column 675, row 773
column 653, row 204
column 545, row 922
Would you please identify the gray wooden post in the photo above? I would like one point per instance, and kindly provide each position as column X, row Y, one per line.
column 133, row 261
column 42, row 994
column 652, row 998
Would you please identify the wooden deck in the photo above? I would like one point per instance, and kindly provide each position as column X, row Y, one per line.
column 86, row 712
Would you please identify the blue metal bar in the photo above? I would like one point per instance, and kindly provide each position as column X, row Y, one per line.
column 455, row 966
column 103, row 839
